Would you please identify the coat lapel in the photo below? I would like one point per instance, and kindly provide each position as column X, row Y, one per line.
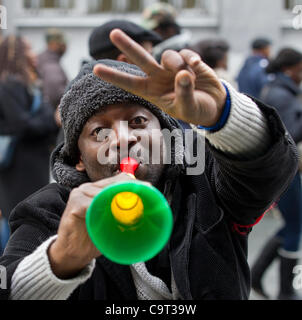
column 121, row 276
column 184, row 214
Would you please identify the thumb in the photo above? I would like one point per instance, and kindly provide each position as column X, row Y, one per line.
column 184, row 89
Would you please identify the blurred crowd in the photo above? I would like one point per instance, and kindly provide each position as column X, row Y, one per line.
column 31, row 88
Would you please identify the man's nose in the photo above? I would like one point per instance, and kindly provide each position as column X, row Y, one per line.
column 125, row 138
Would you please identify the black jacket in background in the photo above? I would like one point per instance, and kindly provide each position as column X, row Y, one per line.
column 53, row 77
column 283, row 94
column 29, row 170
column 209, row 245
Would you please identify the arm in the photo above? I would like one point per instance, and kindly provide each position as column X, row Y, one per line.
column 187, row 89
column 51, row 262
column 16, row 117
column 243, row 129
column 34, row 224
column 246, row 155
column 34, row 278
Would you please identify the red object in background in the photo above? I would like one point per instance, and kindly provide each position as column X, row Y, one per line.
column 245, row 229
column 129, row 165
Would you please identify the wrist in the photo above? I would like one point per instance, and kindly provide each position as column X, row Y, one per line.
column 64, row 265
column 223, row 112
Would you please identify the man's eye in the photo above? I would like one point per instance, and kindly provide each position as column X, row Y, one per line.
column 97, row 131
column 139, row 121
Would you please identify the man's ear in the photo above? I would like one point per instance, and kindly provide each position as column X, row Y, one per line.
column 80, row 165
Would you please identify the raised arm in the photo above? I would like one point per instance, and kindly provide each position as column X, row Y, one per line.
column 254, row 157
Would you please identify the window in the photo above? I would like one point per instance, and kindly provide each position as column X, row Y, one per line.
column 188, row 8
column 98, row 6
column 187, row 4
column 115, row 6
column 290, row 4
column 49, row 4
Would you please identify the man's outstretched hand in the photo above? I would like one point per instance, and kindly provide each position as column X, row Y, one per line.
column 182, row 85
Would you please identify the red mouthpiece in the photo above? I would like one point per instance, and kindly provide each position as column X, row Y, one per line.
column 129, row 165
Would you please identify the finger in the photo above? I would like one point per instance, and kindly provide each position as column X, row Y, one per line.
column 136, row 53
column 184, row 90
column 90, row 190
column 78, row 204
column 119, row 178
column 128, row 82
column 195, row 62
column 173, row 61
column 190, row 57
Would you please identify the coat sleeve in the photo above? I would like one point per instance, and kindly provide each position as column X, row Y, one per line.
column 289, row 108
column 32, row 222
column 245, row 189
column 22, row 243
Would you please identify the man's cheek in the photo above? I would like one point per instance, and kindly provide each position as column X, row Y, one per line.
column 158, row 149
column 107, row 154
column 149, row 149
column 141, row 150
column 96, row 171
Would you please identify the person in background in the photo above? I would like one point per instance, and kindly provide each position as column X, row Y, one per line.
column 54, row 79
column 4, row 232
column 100, row 46
column 215, row 54
column 162, row 18
column 283, row 93
column 27, row 122
column 51, row 73
column 252, row 77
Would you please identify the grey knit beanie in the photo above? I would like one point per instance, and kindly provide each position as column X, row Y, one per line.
column 84, row 97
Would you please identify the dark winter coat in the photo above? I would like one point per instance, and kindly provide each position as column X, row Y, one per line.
column 285, row 96
column 53, row 77
column 252, row 76
column 29, row 170
column 213, row 215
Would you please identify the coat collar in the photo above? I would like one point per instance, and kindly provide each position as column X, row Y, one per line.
column 285, row 81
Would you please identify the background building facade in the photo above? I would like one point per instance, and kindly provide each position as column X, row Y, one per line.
column 235, row 20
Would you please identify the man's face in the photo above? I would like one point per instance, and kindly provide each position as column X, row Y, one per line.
column 295, row 72
column 128, row 123
column 265, row 52
column 58, row 47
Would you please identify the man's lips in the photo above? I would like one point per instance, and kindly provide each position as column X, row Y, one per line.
column 117, row 169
